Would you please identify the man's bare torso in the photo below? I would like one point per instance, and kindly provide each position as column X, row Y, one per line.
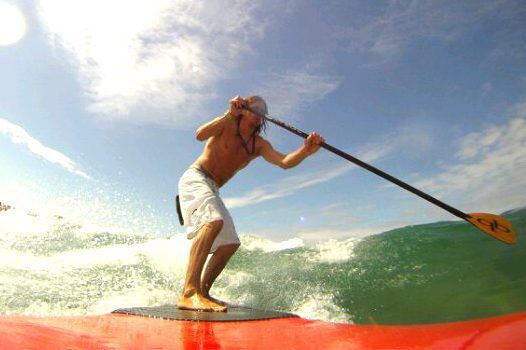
column 224, row 155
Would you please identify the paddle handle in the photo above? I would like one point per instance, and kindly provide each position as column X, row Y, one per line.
column 377, row 171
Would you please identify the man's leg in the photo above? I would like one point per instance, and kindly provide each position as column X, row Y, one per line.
column 193, row 297
column 215, row 265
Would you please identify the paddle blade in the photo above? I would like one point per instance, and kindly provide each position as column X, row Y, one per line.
column 495, row 226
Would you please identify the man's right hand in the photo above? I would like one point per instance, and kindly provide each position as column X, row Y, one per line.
column 236, row 106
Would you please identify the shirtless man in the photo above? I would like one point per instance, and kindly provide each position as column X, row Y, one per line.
column 233, row 141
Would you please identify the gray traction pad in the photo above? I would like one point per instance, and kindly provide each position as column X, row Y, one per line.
column 233, row 313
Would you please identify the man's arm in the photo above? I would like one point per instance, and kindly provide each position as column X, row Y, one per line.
column 212, row 128
column 215, row 127
column 309, row 147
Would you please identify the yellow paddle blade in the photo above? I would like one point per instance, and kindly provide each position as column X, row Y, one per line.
column 494, row 225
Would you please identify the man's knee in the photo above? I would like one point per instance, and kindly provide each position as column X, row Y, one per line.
column 228, row 249
column 231, row 247
column 214, row 227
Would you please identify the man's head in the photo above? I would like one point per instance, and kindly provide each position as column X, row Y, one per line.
column 258, row 105
column 257, row 110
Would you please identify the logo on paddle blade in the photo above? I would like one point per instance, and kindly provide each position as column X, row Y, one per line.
column 494, row 225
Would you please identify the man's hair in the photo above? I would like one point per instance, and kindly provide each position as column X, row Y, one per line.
column 258, row 105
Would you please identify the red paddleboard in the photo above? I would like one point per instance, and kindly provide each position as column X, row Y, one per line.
column 121, row 331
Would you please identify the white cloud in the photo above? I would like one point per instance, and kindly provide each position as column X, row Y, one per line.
column 519, row 109
column 164, row 61
column 161, row 56
column 490, row 168
column 19, row 136
column 390, row 31
column 409, row 139
column 478, row 143
column 293, row 91
column 292, row 184
column 285, row 187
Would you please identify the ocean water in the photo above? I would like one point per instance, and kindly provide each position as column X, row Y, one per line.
column 444, row 271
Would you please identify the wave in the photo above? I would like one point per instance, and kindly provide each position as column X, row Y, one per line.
column 436, row 272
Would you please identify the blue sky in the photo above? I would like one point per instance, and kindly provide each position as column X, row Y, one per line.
column 99, row 102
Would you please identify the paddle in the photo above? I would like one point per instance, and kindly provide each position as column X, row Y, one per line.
column 494, row 225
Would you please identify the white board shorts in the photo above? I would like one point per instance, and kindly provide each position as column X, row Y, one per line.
column 201, row 204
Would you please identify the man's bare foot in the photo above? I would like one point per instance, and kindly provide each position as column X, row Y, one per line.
column 198, row 302
column 217, row 301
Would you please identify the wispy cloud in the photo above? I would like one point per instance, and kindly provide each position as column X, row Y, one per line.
column 160, row 56
column 285, row 187
column 295, row 90
column 389, row 31
column 486, row 89
column 489, row 170
column 19, row 136
column 292, row 184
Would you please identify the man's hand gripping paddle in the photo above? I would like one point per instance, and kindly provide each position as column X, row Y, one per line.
column 494, row 225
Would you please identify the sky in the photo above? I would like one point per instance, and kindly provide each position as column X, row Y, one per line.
column 100, row 100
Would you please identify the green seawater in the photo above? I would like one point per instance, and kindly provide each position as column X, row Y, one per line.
column 445, row 271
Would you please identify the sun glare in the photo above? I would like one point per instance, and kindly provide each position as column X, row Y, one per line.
column 12, row 24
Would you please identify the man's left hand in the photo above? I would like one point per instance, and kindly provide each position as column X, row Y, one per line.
column 312, row 142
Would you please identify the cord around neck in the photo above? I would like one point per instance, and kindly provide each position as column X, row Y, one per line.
column 243, row 143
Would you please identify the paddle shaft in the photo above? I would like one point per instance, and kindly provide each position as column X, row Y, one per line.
column 377, row 171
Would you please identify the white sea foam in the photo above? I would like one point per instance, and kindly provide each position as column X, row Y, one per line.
column 101, row 207
column 18, row 222
column 169, row 256
column 334, row 251
column 73, row 259
column 253, row 243
column 139, row 296
column 60, row 286
column 229, row 282
column 321, row 306
column 77, row 269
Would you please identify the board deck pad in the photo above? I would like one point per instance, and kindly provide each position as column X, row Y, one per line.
column 233, row 313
